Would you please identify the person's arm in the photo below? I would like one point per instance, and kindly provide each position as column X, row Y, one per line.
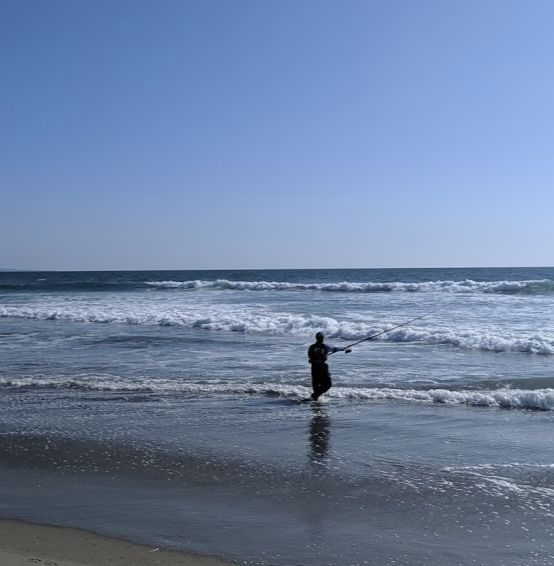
column 332, row 350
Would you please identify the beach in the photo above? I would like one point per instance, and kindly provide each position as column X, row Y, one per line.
column 168, row 410
column 22, row 544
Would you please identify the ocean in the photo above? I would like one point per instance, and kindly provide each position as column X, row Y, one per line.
column 168, row 408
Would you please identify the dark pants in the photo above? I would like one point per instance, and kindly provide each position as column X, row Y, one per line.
column 321, row 379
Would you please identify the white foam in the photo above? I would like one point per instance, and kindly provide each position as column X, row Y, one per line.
column 161, row 386
column 539, row 399
column 511, row 480
column 542, row 399
column 255, row 320
column 465, row 286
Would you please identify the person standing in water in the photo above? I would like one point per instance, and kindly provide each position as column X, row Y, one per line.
column 317, row 354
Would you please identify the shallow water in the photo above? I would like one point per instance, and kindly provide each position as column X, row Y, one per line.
column 281, row 482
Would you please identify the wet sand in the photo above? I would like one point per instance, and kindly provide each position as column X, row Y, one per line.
column 24, row 544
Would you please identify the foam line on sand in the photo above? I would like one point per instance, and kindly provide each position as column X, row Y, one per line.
column 24, row 544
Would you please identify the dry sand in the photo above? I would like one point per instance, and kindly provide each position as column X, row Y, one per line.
column 23, row 544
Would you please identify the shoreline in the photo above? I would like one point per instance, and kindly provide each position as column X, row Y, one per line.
column 22, row 544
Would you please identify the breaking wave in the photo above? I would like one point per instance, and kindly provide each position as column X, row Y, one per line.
column 246, row 321
column 528, row 287
column 543, row 286
column 530, row 399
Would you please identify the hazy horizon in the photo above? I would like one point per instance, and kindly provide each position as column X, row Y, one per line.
column 452, row 267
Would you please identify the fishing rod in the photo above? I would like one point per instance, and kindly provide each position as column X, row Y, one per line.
column 390, row 329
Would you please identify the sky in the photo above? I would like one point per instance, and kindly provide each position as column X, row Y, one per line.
column 256, row 134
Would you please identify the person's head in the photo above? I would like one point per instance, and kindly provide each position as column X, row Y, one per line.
column 319, row 336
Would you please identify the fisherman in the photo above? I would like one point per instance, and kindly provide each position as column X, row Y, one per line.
column 317, row 354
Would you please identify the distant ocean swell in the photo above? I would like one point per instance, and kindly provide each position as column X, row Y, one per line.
column 494, row 340
column 530, row 287
column 535, row 399
column 43, row 285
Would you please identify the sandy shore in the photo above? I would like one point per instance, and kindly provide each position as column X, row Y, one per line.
column 23, row 544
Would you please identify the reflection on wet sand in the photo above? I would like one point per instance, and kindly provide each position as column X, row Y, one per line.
column 319, row 434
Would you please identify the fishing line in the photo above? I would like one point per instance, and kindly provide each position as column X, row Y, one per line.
column 390, row 329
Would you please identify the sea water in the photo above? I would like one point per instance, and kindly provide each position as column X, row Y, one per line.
column 166, row 407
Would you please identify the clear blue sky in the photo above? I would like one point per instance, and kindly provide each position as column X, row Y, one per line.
column 191, row 134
